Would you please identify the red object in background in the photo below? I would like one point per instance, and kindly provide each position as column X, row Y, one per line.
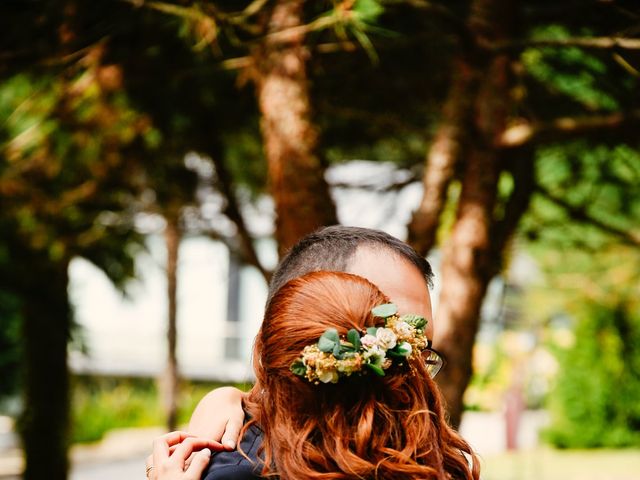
column 514, row 405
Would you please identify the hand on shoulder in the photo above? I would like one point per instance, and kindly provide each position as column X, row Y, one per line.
column 219, row 416
column 180, row 456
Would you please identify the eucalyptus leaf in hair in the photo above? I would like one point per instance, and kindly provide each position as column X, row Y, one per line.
column 298, row 368
column 415, row 320
column 385, row 310
column 329, row 340
column 353, row 336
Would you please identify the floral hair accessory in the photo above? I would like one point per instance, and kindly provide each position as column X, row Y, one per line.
column 332, row 357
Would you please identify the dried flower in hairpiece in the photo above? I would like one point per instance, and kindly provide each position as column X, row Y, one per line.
column 333, row 357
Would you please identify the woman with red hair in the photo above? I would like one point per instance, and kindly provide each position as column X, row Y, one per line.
column 343, row 391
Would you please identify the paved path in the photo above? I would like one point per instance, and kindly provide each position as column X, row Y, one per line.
column 129, row 469
column 120, row 456
column 485, row 431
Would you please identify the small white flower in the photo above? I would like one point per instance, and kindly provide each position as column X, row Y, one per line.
column 403, row 329
column 375, row 352
column 328, row 376
column 386, row 338
column 368, row 341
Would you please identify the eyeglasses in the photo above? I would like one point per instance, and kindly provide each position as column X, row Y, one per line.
column 433, row 360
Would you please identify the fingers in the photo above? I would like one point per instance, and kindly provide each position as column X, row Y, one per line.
column 198, row 463
column 210, row 444
column 216, row 446
column 232, row 432
column 163, row 467
column 149, row 469
column 170, row 452
column 162, row 448
column 188, row 461
column 161, row 445
column 187, row 447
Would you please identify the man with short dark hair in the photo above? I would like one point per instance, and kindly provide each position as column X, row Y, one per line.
column 392, row 265
column 334, row 248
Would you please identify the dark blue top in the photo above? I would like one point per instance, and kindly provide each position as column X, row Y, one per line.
column 233, row 465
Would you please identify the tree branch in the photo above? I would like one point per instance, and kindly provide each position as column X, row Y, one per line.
column 521, row 164
column 458, row 26
column 523, row 133
column 389, row 187
column 588, row 43
column 383, row 121
column 205, row 12
column 232, row 210
column 580, row 214
column 330, row 47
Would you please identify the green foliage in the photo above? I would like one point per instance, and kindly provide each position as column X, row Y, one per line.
column 367, row 10
column 54, row 178
column 375, row 369
column 569, row 71
column 416, row 320
column 385, row 310
column 298, row 368
column 595, row 403
column 99, row 408
column 329, row 340
column 103, row 404
column 598, row 181
column 353, row 336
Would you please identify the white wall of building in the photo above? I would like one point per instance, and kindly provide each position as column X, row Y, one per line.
column 125, row 333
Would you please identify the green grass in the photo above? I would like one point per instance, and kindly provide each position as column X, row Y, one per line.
column 549, row 464
column 103, row 404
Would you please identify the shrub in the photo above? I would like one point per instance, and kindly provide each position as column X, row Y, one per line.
column 595, row 402
column 101, row 404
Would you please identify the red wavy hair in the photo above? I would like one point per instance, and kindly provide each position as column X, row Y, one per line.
column 367, row 427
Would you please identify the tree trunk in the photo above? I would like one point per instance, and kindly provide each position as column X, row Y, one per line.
column 468, row 263
column 296, row 173
column 447, row 147
column 465, row 279
column 44, row 425
column 170, row 380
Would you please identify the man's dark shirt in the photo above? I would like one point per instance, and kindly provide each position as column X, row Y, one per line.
column 233, row 465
